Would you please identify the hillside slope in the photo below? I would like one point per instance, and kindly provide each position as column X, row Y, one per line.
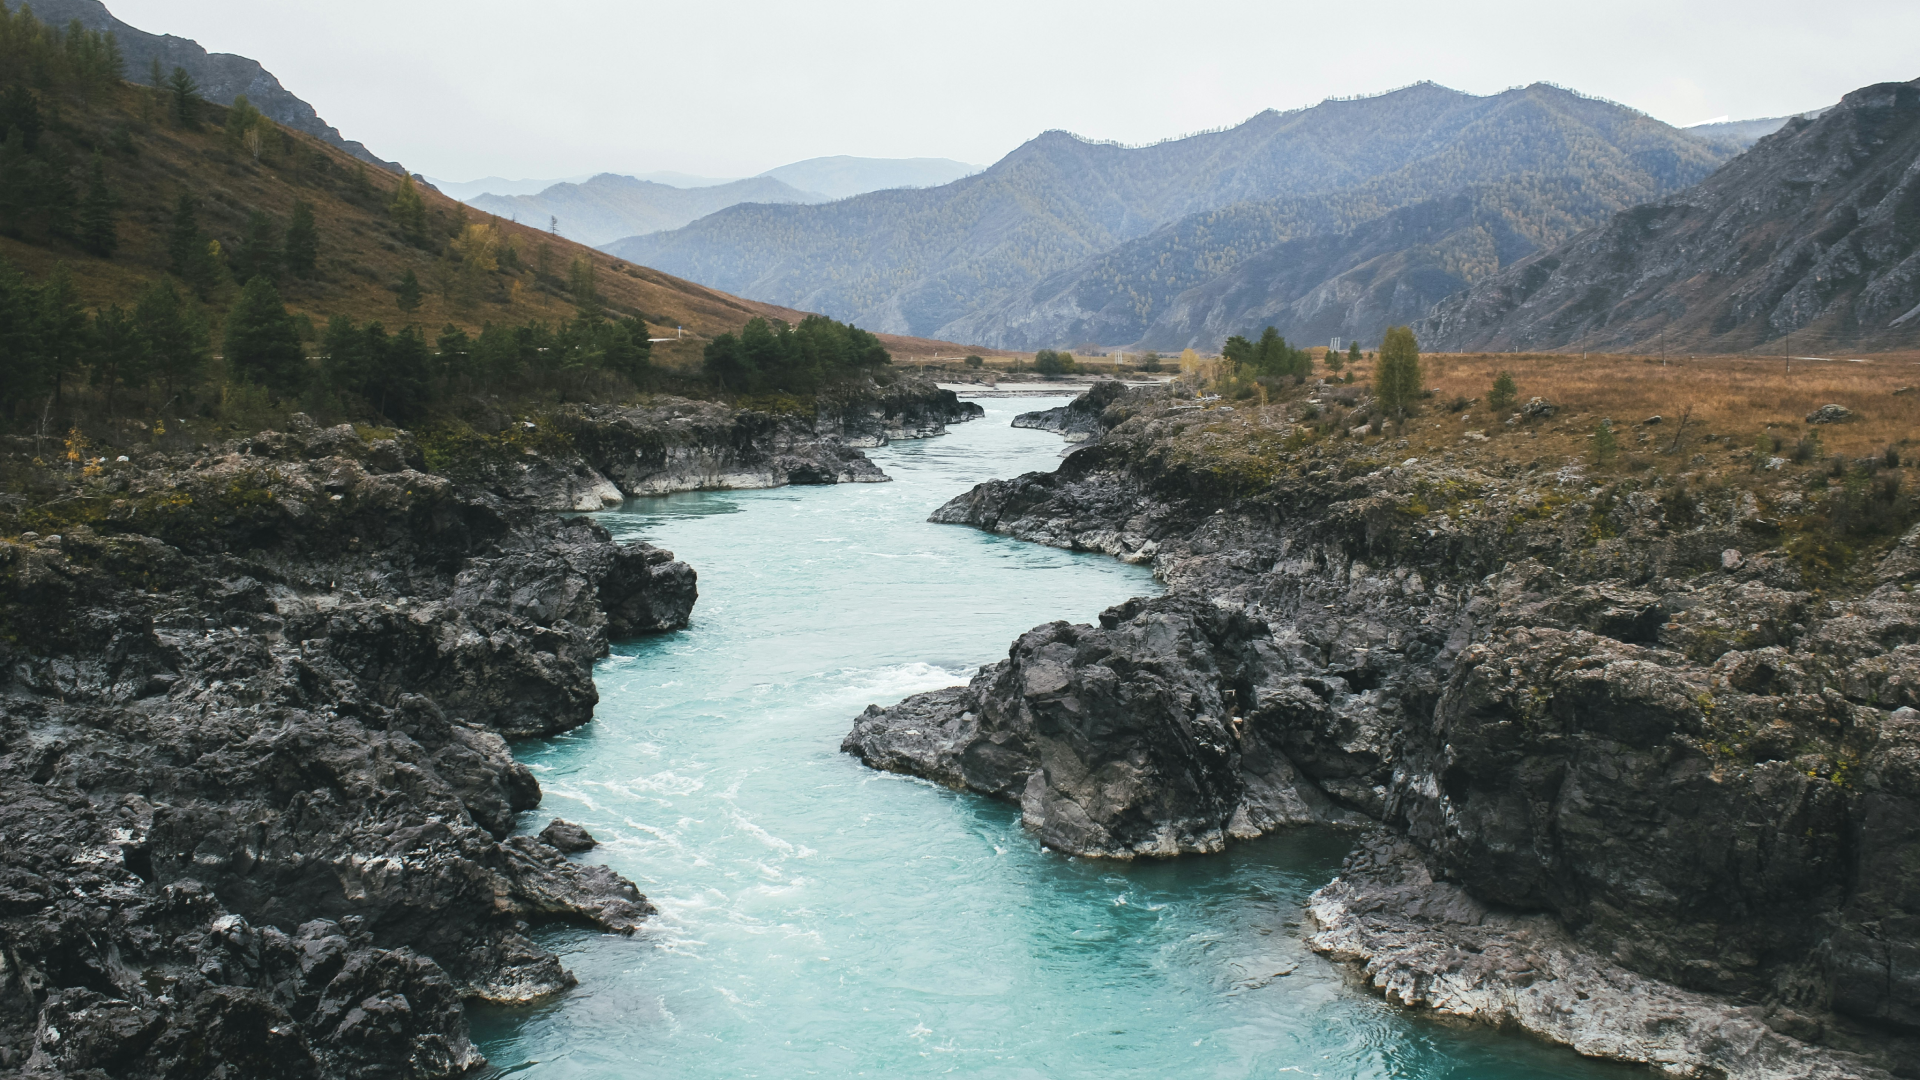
column 974, row 260
column 222, row 76
column 609, row 206
column 1815, row 231
column 148, row 164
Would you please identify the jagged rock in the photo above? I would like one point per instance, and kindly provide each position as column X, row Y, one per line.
column 1829, row 414
column 565, row 836
column 1078, row 420
column 253, row 771
column 1537, row 409
column 1692, row 768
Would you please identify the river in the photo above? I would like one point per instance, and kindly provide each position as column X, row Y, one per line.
column 821, row 919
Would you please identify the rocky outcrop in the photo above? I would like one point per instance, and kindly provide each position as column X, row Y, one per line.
column 674, row 444
column 1815, row 231
column 1078, row 420
column 1611, row 710
column 257, row 794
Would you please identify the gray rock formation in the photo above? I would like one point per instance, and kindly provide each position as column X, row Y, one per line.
column 673, row 444
column 1078, row 420
column 1637, row 748
column 255, row 793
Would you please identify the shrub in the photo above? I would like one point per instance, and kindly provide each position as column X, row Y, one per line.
column 975, row 361
column 1503, row 394
column 1049, row 362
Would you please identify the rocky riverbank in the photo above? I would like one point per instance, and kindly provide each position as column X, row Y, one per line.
column 1644, row 762
column 674, row 444
column 255, row 791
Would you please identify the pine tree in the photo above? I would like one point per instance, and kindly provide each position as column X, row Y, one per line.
column 409, row 212
column 1605, row 445
column 1503, row 394
column 117, row 355
column 186, row 99
column 408, row 292
column 188, row 250
column 345, row 364
column 258, row 254
column 97, row 231
column 302, row 253
column 60, row 330
column 1353, row 352
column 156, row 75
column 586, row 294
column 261, row 343
column 1397, row 379
column 174, row 336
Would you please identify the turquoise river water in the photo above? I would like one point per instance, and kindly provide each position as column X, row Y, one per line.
column 821, row 919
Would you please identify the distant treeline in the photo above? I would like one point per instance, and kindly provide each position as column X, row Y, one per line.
column 768, row 356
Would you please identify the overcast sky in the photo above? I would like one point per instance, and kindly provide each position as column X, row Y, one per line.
column 734, row 87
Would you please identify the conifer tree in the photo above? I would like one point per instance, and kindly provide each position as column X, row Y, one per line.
column 1353, row 352
column 1605, row 445
column 1397, row 379
column 586, row 294
column 408, row 292
column 345, row 363
column 302, row 252
column 1240, row 353
column 117, row 355
column 1503, row 394
column 409, row 212
column 60, row 332
column 186, row 98
column 174, row 337
column 258, row 254
column 156, row 75
column 97, row 230
column 261, row 343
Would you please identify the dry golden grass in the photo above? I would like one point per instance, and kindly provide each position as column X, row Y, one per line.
column 1736, row 398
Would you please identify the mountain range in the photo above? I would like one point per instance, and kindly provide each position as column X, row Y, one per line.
column 221, row 76
column 1815, row 231
column 609, row 206
column 1068, row 241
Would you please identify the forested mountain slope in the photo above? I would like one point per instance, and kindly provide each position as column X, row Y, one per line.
column 222, row 76
column 1814, row 231
column 609, row 206
column 1035, row 250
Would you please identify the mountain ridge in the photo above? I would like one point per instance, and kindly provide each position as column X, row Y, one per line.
column 609, row 206
column 1815, row 231
column 969, row 261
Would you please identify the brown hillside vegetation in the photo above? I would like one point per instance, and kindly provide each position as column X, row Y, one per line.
column 149, row 163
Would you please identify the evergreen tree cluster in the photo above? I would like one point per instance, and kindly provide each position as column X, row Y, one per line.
column 1269, row 358
column 52, row 344
column 772, row 356
column 40, row 66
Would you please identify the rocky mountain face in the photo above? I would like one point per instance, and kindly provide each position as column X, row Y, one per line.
column 1815, row 232
column 1066, row 241
column 254, row 703
column 1632, row 781
column 609, row 207
column 221, row 76
column 840, row 176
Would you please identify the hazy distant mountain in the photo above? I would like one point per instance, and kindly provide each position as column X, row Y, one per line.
column 607, row 207
column 498, row 185
column 1816, row 230
column 222, row 76
column 1066, row 241
column 842, row 176
column 1744, row 133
